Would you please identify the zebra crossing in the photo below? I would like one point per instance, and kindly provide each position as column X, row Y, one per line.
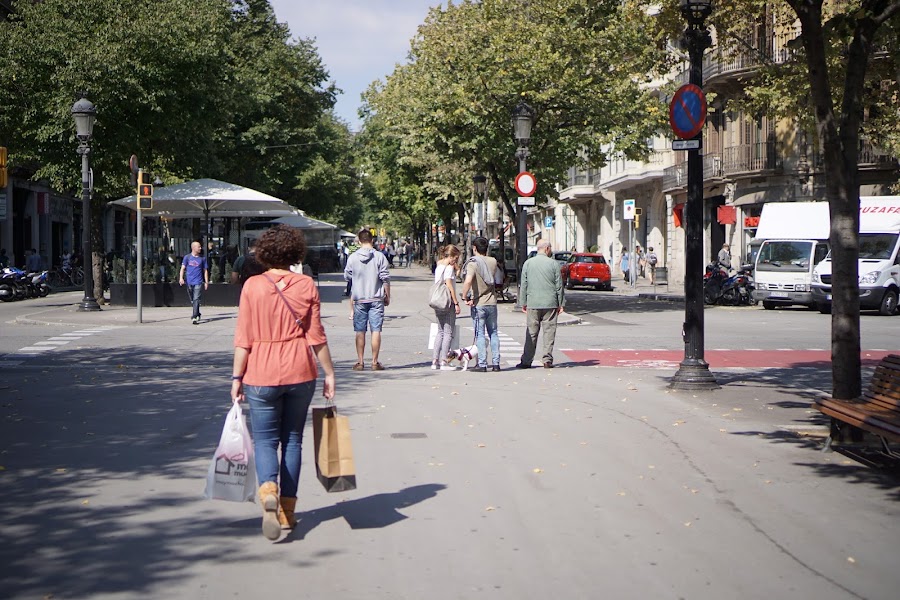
column 45, row 346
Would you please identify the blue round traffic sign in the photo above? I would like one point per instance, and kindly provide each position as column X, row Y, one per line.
column 687, row 111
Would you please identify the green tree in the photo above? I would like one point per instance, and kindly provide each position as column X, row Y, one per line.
column 582, row 65
column 212, row 88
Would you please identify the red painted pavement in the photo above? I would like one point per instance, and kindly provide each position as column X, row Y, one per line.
column 719, row 359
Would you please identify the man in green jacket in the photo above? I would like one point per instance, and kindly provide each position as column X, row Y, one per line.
column 542, row 301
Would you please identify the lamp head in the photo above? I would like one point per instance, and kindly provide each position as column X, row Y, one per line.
column 479, row 181
column 522, row 119
column 696, row 11
column 85, row 113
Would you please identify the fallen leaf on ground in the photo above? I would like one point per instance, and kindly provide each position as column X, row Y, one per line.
column 60, row 470
column 85, row 503
column 490, row 508
column 538, row 470
column 688, row 524
column 620, row 493
column 481, row 446
column 851, row 560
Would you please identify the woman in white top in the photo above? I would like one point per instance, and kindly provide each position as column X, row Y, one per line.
column 445, row 271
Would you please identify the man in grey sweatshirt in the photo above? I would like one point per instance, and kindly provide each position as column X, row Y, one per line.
column 370, row 292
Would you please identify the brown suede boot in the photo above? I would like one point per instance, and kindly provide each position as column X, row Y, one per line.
column 286, row 514
column 268, row 499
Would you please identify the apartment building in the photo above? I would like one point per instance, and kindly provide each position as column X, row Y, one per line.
column 748, row 160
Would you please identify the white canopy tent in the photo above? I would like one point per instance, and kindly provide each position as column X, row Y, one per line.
column 210, row 198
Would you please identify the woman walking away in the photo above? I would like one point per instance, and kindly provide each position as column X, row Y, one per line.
column 445, row 271
column 278, row 331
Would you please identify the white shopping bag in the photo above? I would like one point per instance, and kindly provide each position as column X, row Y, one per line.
column 232, row 472
column 432, row 335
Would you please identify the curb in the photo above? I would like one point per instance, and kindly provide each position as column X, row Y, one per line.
column 661, row 297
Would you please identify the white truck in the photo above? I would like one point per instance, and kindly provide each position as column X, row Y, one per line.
column 879, row 258
column 794, row 239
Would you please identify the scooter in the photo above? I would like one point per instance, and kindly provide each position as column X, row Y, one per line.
column 39, row 283
column 737, row 290
column 713, row 282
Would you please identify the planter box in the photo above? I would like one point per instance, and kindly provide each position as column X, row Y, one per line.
column 172, row 294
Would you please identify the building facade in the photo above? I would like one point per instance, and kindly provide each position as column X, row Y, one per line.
column 748, row 160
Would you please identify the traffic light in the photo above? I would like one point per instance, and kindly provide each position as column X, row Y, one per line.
column 637, row 217
column 3, row 178
column 144, row 191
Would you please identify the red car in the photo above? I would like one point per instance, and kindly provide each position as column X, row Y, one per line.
column 584, row 268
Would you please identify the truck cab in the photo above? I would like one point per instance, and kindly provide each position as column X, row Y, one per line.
column 784, row 270
column 879, row 258
column 793, row 238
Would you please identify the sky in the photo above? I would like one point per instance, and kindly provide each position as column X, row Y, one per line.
column 359, row 40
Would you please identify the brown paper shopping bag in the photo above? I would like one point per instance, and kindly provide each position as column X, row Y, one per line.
column 334, row 451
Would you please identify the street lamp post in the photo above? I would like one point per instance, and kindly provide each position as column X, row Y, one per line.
column 84, row 114
column 693, row 373
column 523, row 118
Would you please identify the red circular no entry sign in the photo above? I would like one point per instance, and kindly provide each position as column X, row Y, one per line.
column 526, row 184
column 687, row 111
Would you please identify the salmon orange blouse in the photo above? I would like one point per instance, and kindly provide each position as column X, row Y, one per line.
column 280, row 352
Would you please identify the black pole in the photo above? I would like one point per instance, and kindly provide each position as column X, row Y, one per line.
column 88, row 303
column 521, row 234
column 693, row 373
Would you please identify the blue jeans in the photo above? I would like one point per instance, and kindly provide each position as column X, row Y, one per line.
column 485, row 317
column 277, row 416
column 195, row 292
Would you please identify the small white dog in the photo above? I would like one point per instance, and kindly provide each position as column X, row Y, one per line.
column 464, row 356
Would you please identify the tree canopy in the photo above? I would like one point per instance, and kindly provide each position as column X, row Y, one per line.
column 194, row 88
column 582, row 65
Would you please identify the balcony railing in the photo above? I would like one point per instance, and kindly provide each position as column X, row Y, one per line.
column 761, row 156
column 675, row 177
column 724, row 61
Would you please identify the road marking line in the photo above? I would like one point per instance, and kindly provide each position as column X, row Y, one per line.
column 51, row 343
column 34, row 349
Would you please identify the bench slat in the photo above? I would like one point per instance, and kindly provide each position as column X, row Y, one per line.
column 864, row 421
column 877, row 399
column 878, row 409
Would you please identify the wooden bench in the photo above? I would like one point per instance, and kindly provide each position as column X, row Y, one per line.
column 876, row 411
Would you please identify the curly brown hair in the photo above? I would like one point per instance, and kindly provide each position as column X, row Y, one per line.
column 280, row 247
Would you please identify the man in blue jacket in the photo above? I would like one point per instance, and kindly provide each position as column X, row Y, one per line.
column 367, row 270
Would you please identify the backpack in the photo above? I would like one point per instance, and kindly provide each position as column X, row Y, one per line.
column 652, row 259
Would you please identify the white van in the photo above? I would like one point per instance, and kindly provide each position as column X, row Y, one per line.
column 879, row 258
column 794, row 239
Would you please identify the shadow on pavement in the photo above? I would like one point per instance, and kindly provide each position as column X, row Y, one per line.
column 104, row 455
column 371, row 512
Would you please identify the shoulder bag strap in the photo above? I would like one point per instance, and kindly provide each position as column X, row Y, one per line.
column 297, row 319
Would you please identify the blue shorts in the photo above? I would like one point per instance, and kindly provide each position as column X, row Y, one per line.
column 368, row 314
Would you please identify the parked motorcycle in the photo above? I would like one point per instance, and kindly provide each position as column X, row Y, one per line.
column 734, row 290
column 8, row 285
column 39, row 282
column 713, row 281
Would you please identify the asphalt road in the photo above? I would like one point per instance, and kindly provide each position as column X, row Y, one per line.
column 584, row 481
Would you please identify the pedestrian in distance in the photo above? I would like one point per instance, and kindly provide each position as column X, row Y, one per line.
column 33, row 261
column 624, row 264
column 724, row 256
column 246, row 266
column 480, row 295
column 4, row 258
column 448, row 260
column 279, row 329
column 641, row 263
column 652, row 260
column 542, row 301
column 370, row 292
column 194, row 272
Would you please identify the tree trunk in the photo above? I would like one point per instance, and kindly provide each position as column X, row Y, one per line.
column 839, row 137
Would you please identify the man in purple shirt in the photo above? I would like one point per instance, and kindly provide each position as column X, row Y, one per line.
column 197, row 270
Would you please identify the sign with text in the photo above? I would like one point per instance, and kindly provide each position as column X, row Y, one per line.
column 526, row 201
